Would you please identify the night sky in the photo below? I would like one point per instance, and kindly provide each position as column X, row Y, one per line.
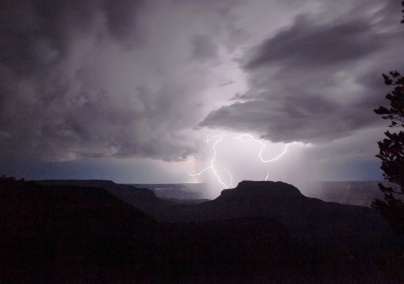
column 133, row 90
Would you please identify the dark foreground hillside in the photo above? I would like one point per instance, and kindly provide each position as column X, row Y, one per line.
column 308, row 219
column 141, row 198
column 65, row 233
column 70, row 234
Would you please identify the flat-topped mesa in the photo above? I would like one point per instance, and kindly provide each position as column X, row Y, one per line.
column 264, row 188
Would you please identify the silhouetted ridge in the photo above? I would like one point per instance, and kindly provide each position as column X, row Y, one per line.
column 141, row 198
column 60, row 204
column 309, row 220
column 105, row 184
column 258, row 232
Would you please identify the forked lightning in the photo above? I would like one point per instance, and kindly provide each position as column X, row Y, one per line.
column 213, row 163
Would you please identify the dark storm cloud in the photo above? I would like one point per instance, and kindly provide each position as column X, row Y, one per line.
column 317, row 80
column 306, row 119
column 103, row 78
column 203, row 47
column 306, row 44
column 121, row 19
column 36, row 33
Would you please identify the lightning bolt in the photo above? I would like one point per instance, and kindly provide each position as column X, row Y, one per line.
column 219, row 138
column 263, row 146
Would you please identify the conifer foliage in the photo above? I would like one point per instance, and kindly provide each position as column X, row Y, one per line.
column 391, row 153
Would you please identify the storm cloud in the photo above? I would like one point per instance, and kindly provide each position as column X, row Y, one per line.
column 310, row 82
column 105, row 78
column 141, row 83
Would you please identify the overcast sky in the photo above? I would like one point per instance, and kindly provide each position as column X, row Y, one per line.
column 133, row 90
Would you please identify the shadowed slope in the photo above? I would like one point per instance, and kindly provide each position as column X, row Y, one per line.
column 260, row 232
column 65, row 232
column 141, row 198
column 307, row 218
